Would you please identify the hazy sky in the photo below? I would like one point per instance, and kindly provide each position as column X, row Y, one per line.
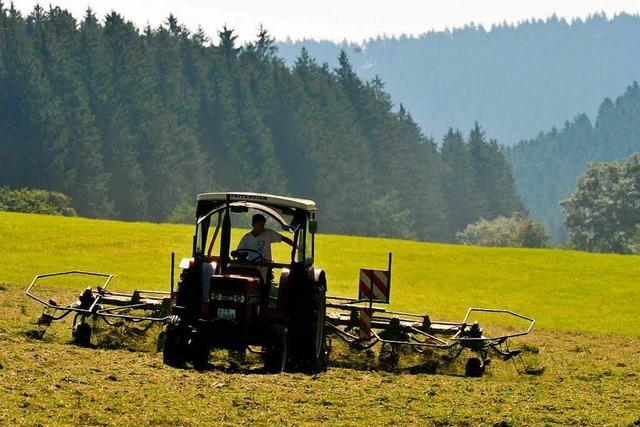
column 353, row 20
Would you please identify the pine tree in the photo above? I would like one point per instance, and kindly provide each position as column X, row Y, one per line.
column 34, row 141
column 127, row 185
column 57, row 42
column 228, row 43
column 459, row 185
column 178, row 110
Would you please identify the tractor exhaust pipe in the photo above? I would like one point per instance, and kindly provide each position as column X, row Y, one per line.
column 173, row 262
column 225, row 238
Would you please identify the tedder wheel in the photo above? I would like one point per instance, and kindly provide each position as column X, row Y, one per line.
column 82, row 334
column 474, row 368
column 389, row 357
column 276, row 351
column 173, row 349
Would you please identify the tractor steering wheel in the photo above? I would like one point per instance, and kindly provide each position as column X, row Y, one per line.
column 237, row 255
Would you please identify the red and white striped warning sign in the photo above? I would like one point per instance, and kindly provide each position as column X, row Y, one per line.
column 374, row 285
column 364, row 323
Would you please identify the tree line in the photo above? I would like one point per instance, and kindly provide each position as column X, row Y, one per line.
column 603, row 213
column 546, row 168
column 131, row 124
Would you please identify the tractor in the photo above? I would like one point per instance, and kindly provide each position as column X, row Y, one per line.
column 238, row 300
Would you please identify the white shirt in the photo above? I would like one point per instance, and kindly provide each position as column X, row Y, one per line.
column 261, row 244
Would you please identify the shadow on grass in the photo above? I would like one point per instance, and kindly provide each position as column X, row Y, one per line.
column 140, row 338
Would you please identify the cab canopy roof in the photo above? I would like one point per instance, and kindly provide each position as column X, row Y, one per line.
column 260, row 198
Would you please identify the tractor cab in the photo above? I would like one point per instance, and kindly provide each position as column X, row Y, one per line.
column 222, row 219
column 235, row 296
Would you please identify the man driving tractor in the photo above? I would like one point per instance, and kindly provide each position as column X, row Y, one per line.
column 257, row 242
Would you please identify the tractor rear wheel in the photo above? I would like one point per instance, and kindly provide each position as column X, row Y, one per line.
column 276, row 352
column 317, row 359
column 310, row 350
column 173, row 349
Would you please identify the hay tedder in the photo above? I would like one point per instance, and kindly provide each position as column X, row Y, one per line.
column 98, row 303
column 240, row 300
column 363, row 325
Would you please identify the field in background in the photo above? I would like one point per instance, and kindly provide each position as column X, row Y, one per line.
column 580, row 378
column 563, row 290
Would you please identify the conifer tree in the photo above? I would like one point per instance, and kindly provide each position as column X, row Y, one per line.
column 459, row 185
column 57, row 42
column 33, row 145
column 121, row 147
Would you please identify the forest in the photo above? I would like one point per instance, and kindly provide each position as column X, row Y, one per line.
column 515, row 79
column 132, row 123
column 547, row 167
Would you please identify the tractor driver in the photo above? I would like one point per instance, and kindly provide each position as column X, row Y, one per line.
column 258, row 241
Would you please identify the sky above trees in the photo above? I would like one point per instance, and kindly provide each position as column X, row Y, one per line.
column 353, row 20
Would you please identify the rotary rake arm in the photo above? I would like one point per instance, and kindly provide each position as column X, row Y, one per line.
column 364, row 326
column 98, row 302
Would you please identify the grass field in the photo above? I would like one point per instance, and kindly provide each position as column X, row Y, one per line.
column 587, row 339
column 563, row 290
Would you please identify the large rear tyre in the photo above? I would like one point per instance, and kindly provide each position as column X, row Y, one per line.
column 317, row 357
column 309, row 349
column 276, row 352
column 174, row 348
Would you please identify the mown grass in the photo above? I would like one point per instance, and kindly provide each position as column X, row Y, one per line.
column 563, row 290
column 587, row 380
column 584, row 361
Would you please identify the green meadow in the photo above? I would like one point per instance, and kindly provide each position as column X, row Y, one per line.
column 563, row 290
column 579, row 366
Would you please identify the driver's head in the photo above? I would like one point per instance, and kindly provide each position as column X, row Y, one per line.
column 258, row 222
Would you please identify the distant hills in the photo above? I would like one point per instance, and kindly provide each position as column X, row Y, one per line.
column 546, row 168
column 515, row 80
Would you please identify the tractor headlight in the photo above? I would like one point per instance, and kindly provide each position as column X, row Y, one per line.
column 239, row 298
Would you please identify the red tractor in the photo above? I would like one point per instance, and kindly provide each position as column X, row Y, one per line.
column 231, row 299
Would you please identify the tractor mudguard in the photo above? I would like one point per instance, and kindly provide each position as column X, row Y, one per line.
column 317, row 275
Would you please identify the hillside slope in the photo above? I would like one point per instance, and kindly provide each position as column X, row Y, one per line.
column 515, row 80
column 563, row 290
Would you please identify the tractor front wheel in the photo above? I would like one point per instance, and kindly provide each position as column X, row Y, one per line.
column 276, row 352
